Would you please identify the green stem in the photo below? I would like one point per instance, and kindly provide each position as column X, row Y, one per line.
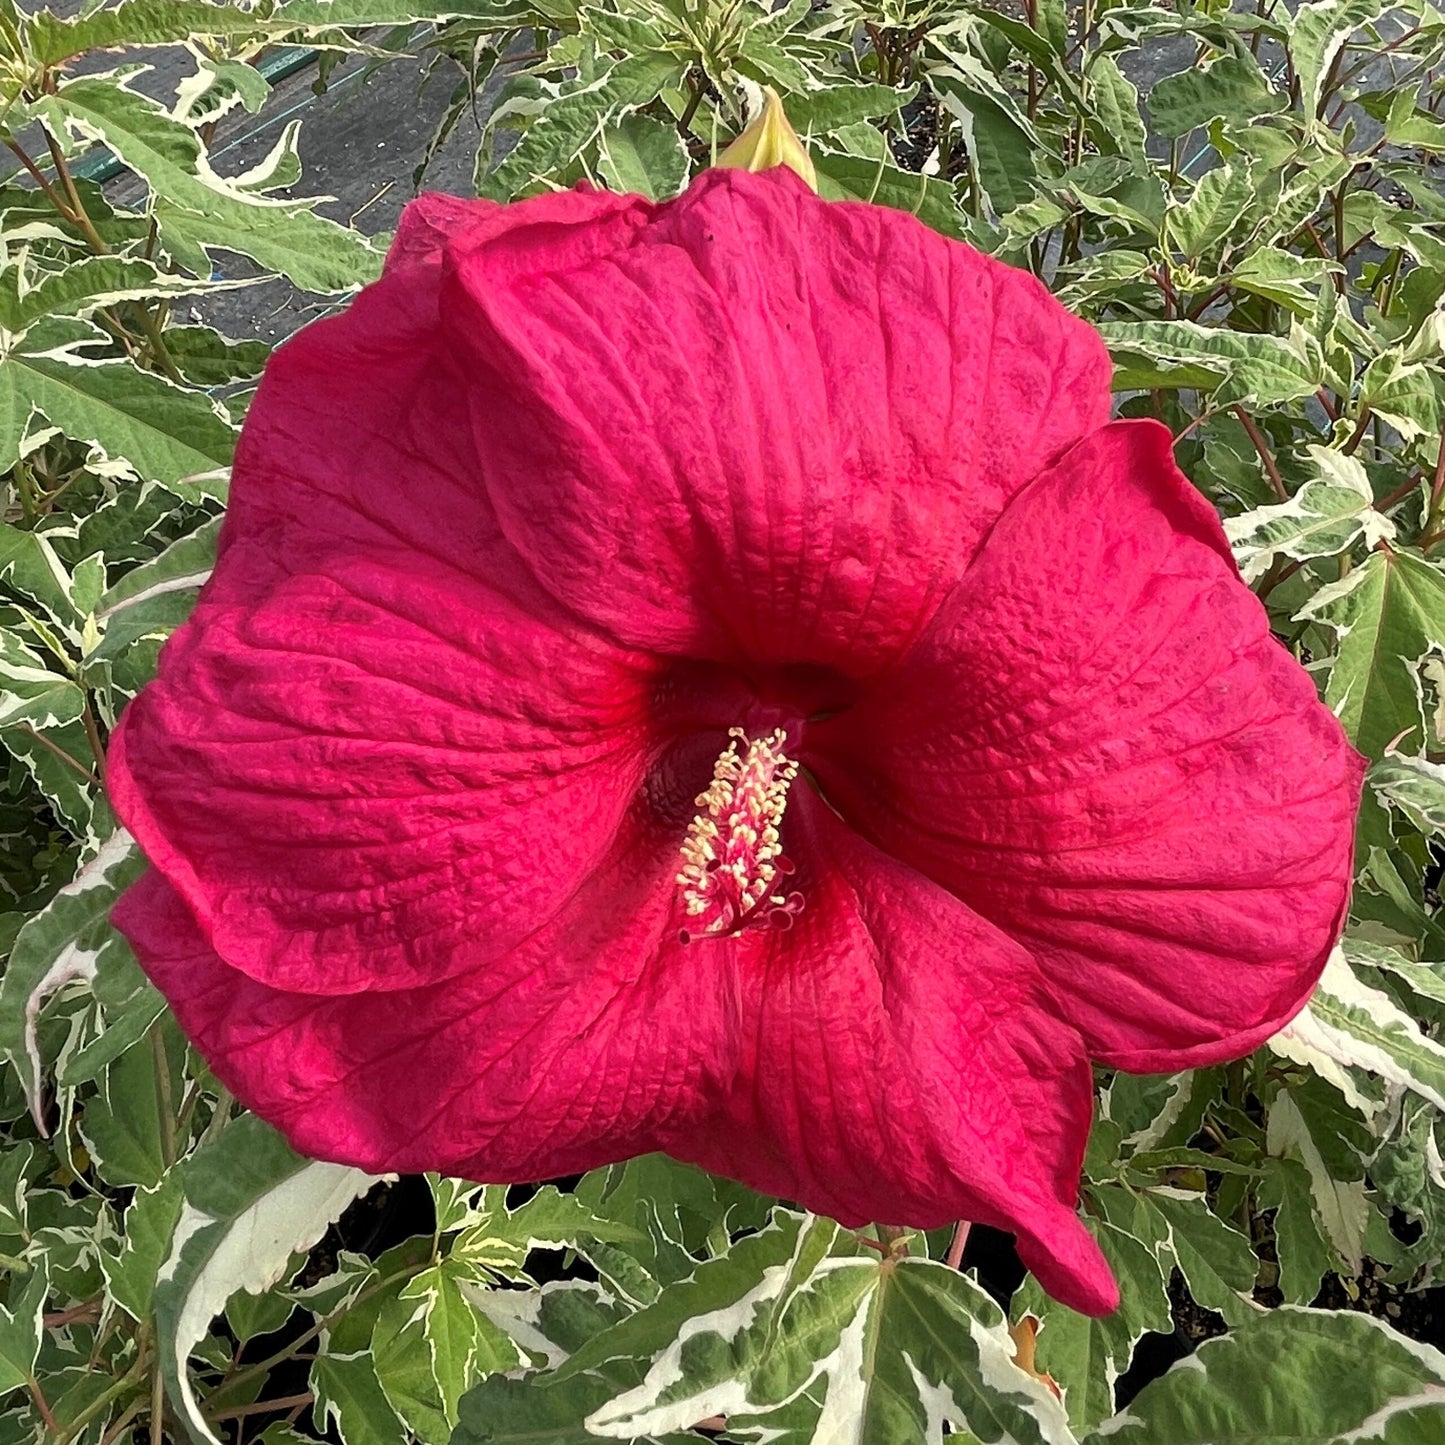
column 281, row 1356
column 220, row 1117
column 163, row 1094
column 118, row 1429
column 100, row 1403
column 158, row 1405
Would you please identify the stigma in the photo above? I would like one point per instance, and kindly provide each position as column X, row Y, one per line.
column 733, row 858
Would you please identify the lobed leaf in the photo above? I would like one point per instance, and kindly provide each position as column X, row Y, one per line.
column 1292, row 1377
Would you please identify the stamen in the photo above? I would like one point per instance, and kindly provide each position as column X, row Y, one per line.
column 733, row 856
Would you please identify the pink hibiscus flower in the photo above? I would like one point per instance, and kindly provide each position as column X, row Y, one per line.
column 592, row 506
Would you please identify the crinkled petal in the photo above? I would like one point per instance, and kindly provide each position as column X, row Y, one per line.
column 899, row 1064
column 595, row 1040
column 753, row 425
column 434, row 220
column 379, row 754
column 1100, row 747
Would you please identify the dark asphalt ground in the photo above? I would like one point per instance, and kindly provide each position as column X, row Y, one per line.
column 360, row 142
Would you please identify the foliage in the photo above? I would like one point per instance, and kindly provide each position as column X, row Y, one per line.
column 1261, row 237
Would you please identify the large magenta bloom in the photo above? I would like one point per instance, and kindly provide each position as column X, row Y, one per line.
column 578, row 488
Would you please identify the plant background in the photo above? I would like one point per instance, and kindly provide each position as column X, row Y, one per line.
column 1248, row 202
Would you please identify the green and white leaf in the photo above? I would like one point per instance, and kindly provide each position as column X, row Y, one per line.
column 1388, row 615
column 150, row 1223
column 250, row 1202
column 1415, row 786
column 1247, row 367
column 1348, row 1025
column 1315, row 1377
column 1331, row 513
column 1300, row 1246
column 21, row 1328
column 58, row 946
column 796, row 1336
column 84, row 285
column 207, row 210
column 1319, row 32
column 643, row 156
column 1085, row 1356
column 163, row 432
column 32, row 693
column 1339, row 1204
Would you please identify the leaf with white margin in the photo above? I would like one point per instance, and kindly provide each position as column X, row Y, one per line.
column 1300, row 1247
column 1409, row 1171
column 150, row 1222
column 1330, row 514
column 251, row 1201
column 21, row 1328
column 826, row 1347
column 1415, row 786
column 1157, row 1111
column 31, row 567
column 496, row 1240
column 33, row 695
column 556, row 1406
column 462, row 1344
column 82, row 286
column 61, row 945
column 1086, row 1356
column 1292, row 1376
column 1347, row 1024
column 1216, row 1260
column 1404, row 393
column 1178, row 1225
column 1320, row 31
column 349, row 1398
column 156, row 597
column 1388, row 615
column 1340, row 1204
column 549, row 1323
column 209, row 210
column 1251, row 367
column 1424, row 979
column 676, row 1209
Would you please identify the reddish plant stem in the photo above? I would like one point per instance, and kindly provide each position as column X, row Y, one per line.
column 956, row 1246
column 1400, row 493
column 60, row 753
column 1275, row 576
column 1171, row 296
column 1357, row 436
column 92, row 736
column 49, row 191
column 1266, row 457
column 265, row 1407
column 43, row 1406
column 1203, row 417
column 1432, row 529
